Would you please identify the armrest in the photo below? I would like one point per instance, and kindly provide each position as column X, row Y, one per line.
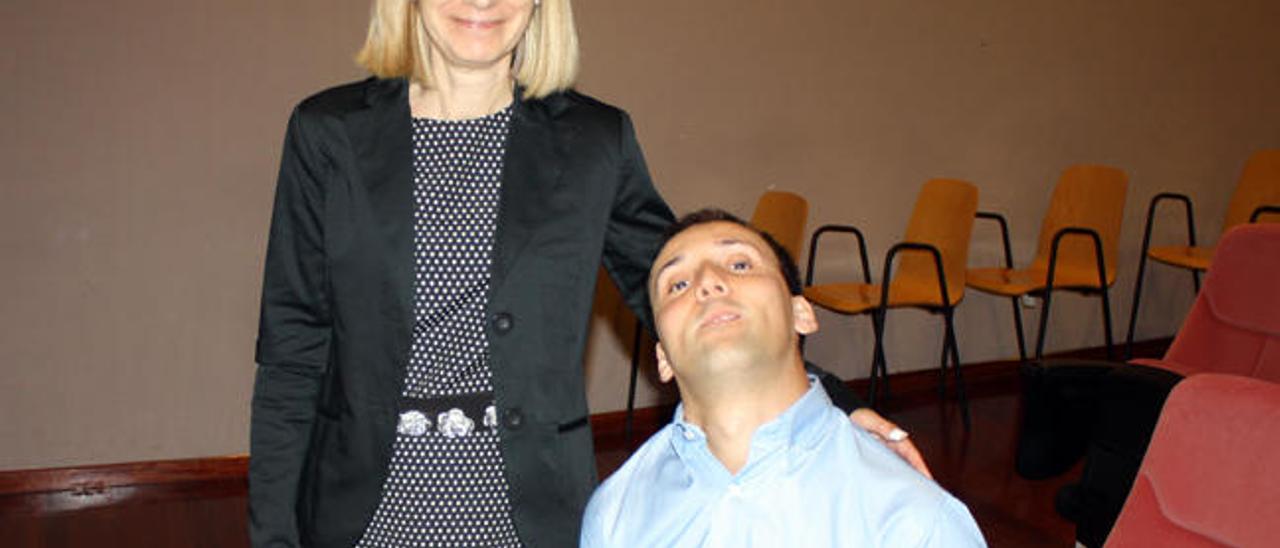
column 1264, row 210
column 1097, row 251
column 845, row 229
column 1151, row 211
column 1053, row 267
column 1004, row 233
column 937, row 262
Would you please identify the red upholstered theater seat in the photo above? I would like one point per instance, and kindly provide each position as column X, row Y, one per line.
column 1110, row 412
column 1234, row 325
column 1209, row 477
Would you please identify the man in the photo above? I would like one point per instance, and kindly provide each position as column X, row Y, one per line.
column 756, row 454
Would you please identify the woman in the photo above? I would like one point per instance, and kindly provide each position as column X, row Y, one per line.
column 429, row 279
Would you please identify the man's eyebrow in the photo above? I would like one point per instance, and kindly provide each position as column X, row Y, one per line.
column 732, row 241
column 737, row 242
column 670, row 263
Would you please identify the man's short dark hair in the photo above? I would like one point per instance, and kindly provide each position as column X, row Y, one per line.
column 711, row 215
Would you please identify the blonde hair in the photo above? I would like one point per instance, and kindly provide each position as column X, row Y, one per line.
column 546, row 60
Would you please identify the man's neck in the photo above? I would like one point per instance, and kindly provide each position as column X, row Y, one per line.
column 731, row 412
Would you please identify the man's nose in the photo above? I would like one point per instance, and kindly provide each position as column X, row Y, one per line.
column 711, row 282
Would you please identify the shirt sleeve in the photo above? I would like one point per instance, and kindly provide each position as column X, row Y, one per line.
column 948, row 525
column 954, row 526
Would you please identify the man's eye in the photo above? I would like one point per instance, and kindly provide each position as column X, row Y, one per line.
column 677, row 286
column 740, row 266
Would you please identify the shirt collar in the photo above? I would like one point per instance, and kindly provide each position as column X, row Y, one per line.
column 799, row 427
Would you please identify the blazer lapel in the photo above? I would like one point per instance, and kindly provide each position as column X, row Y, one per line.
column 534, row 162
column 381, row 137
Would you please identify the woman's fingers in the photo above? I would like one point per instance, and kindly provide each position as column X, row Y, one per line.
column 892, row 436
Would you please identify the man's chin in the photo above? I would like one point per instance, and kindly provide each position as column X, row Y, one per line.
column 724, row 357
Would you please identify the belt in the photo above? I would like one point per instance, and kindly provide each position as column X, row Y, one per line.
column 453, row 416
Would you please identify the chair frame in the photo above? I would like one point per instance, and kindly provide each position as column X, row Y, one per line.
column 1142, row 258
column 813, row 258
column 1008, row 263
column 1102, row 284
column 813, row 248
column 1046, row 293
column 1191, row 242
column 1263, row 210
column 879, row 314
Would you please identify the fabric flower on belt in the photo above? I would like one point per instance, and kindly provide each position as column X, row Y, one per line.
column 454, row 423
column 491, row 417
column 413, row 423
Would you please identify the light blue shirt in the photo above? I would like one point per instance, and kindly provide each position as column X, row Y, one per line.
column 811, row 479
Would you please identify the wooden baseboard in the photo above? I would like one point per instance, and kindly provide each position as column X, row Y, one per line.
column 99, row 477
column 53, row 490
column 80, row 487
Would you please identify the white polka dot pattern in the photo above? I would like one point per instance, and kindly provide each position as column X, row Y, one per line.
column 450, row 492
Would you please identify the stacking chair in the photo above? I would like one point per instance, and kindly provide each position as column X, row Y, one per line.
column 1256, row 198
column 930, row 274
column 1077, row 249
column 781, row 214
column 1208, row 477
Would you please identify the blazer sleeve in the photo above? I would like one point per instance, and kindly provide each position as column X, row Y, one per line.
column 294, row 335
column 636, row 222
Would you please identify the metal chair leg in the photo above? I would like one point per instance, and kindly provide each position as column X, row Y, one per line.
column 879, row 372
column 1137, row 296
column 1008, row 264
column 631, row 388
column 1106, row 320
column 1017, row 327
column 955, row 356
column 942, row 367
column 1044, row 324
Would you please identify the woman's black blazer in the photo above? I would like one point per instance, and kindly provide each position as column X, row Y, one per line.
column 337, row 316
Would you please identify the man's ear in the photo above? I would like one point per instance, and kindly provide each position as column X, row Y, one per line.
column 665, row 373
column 806, row 321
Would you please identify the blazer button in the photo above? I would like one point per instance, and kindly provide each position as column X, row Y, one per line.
column 503, row 322
column 513, row 418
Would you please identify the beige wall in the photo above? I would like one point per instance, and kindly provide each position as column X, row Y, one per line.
column 141, row 139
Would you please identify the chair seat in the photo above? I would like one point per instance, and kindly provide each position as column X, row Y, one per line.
column 1015, row 282
column 855, row 298
column 1194, row 257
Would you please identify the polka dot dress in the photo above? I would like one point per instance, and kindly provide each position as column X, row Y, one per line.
column 444, row 491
